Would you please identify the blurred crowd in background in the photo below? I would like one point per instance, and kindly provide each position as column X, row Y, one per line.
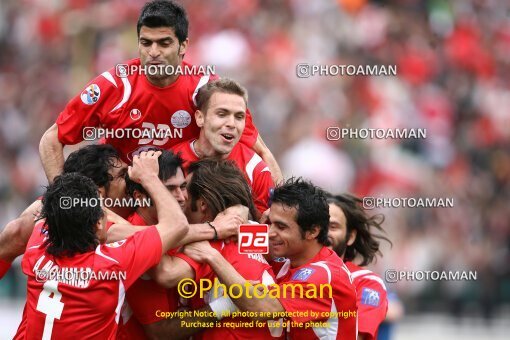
column 453, row 61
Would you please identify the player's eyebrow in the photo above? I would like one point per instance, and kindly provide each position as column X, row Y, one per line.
column 159, row 40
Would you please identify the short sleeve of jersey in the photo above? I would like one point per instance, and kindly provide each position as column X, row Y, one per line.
column 310, row 277
column 201, row 270
column 86, row 109
column 250, row 133
column 262, row 185
column 135, row 254
column 372, row 306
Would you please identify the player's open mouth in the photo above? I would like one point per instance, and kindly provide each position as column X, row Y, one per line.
column 228, row 137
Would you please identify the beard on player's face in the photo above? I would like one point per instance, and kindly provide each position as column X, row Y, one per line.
column 339, row 246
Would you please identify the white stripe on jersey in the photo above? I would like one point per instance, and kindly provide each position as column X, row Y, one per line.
column 250, row 167
column 360, row 272
column 120, row 301
column 284, row 269
column 375, row 278
column 100, row 253
column 126, row 95
column 204, row 80
column 109, row 77
column 327, row 333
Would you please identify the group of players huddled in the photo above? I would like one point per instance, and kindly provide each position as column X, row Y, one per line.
column 201, row 186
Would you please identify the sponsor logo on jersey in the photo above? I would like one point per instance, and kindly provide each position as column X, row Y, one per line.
column 135, row 114
column 370, row 297
column 180, row 119
column 91, row 94
column 253, row 239
column 303, row 274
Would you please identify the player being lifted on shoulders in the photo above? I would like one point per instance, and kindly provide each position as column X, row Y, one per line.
column 351, row 233
column 140, row 110
column 221, row 117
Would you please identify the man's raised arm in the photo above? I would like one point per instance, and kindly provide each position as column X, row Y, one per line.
column 51, row 152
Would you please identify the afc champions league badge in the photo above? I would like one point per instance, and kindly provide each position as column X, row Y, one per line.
column 91, row 94
column 180, row 119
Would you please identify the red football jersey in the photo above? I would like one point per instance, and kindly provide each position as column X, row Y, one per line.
column 83, row 306
column 132, row 102
column 372, row 300
column 339, row 313
column 252, row 267
column 144, row 298
column 256, row 171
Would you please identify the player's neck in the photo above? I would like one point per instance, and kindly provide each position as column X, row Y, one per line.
column 203, row 149
column 163, row 82
column 308, row 253
column 148, row 218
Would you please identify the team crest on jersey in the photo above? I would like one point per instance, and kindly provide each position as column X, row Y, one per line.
column 370, row 297
column 180, row 119
column 135, row 114
column 115, row 244
column 91, row 94
column 303, row 274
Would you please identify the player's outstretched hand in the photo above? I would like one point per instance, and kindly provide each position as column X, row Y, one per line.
column 144, row 166
column 199, row 251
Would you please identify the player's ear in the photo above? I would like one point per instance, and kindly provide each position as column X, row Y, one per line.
column 183, row 47
column 352, row 237
column 199, row 118
column 138, row 196
column 313, row 233
column 101, row 228
column 102, row 192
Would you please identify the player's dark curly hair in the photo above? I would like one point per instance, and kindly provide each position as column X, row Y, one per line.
column 366, row 244
column 71, row 228
column 93, row 161
column 221, row 185
column 168, row 165
column 160, row 13
column 310, row 202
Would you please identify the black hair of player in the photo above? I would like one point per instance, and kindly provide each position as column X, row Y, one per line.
column 71, row 229
column 367, row 243
column 94, row 162
column 160, row 13
column 310, row 203
column 221, row 185
column 168, row 165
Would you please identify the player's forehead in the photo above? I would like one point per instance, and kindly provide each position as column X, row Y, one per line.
column 157, row 33
column 227, row 102
column 336, row 215
column 283, row 214
column 177, row 180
